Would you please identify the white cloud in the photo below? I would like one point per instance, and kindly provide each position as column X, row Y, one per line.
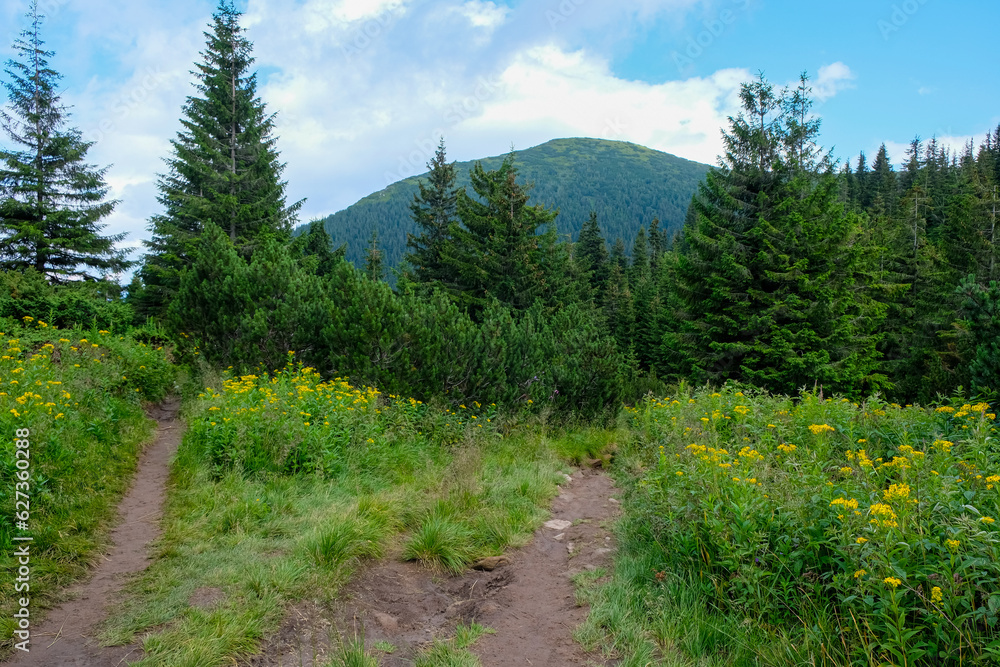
column 484, row 14
column 362, row 88
column 548, row 90
column 831, row 79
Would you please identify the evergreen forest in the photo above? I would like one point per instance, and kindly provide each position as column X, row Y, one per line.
column 788, row 362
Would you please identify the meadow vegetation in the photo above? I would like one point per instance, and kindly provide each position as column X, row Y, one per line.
column 285, row 483
column 79, row 392
column 764, row 529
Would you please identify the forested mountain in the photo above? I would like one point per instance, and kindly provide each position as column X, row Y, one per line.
column 625, row 184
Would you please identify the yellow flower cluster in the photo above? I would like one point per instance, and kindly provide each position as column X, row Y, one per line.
column 944, row 446
column 892, row 581
column 887, row 517
column 820, row 428
column 848, row 503
column 896, row 493
column 786, row 448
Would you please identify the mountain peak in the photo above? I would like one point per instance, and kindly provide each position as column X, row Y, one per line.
column 626, row 184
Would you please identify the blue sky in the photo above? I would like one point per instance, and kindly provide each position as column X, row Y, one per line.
column 363, row 87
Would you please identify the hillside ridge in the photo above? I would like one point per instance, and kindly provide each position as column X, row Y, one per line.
column 627, row 185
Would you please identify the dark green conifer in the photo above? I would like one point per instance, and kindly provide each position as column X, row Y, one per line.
column 374, row 267
column 51, row 200
column 494, row 253
column 224, row 171
column 434, row 211
column 592, row 252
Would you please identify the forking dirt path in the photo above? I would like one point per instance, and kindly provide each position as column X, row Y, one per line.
column 64, row 638
column 529, row 602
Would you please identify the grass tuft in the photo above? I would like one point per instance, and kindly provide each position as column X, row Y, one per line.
column 441, row 543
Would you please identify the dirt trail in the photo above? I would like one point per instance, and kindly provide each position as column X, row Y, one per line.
column 528, row 602
column 65, row 637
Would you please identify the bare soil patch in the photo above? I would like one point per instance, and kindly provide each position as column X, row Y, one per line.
column 528, row 600
column 66, row 636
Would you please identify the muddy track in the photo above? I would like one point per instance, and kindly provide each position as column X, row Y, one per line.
column 529, row 602
column 66, row 637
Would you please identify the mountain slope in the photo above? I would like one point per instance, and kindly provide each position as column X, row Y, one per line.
column 626, row 184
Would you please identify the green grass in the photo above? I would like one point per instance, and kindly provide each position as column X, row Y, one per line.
column 441, row 543
column 352, row 654
column 454, row 652
column 79, row 394
column 386, row 473
column 385, row 647
column 761, row 530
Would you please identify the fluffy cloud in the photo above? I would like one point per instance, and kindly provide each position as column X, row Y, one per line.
column 363, row 88
column 831, row 79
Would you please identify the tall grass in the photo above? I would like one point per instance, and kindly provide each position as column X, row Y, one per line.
column 766, row 530
column 79, row 393
column 285, row 484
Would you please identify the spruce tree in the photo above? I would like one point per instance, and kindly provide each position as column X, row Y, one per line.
column 434, row 210
column 592, row 252
column 374, row 267
column 767, row 277
column 640, row 269
column 51, row 200
column 618, row 257
column 314, row 250
column 224, row 171
column 657, row 245
column 494, row 253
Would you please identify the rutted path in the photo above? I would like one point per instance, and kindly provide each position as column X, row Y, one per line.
column 529, row 602
column 65, row 637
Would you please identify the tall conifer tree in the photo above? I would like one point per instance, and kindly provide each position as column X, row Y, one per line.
column 51, row 201
column 494, row 253
column 434, row 210
column 225, row 169
column 766, row 278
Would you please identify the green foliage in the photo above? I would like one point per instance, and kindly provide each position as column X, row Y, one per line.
column 982, row 308
column 764, row 283
column 224, row 174
column 625, row 184
column 248, row 313
column 867, row 528
column 79, row 393
column 51, row 200
column 94, row 304
column 434, row 210
column 494, row 253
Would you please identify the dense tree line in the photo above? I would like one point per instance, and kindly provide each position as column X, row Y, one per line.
column 627, row 185
column 788, row 271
